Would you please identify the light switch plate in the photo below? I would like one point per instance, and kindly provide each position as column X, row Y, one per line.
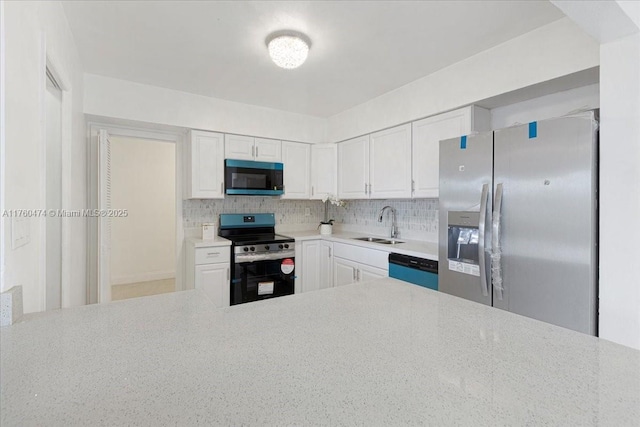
column 20, row 232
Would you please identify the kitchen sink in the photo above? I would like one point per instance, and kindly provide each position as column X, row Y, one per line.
column 378, row 240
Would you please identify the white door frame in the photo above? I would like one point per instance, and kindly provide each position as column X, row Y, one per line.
column 178, row 138
column 49, row 60
column 2, row 143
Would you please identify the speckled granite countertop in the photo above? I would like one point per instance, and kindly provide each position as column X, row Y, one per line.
column 217, row 241
column 416, row 248
column 377, row 353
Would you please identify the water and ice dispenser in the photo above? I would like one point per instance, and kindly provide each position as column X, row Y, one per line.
column 462, row 247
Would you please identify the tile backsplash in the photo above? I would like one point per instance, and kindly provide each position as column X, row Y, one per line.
column 290, row 214
column 417, row 218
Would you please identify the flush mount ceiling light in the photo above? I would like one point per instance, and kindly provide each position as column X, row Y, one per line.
column 288, row 49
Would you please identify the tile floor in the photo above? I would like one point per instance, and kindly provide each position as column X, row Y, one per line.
column 142, row 289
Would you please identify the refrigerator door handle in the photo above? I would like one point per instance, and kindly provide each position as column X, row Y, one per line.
column 496, row 250
column 481, row 239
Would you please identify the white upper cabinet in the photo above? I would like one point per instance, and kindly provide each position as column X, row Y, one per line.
column 296, row 157
column 239, row 147
column 390, row 160
column 268, row 150
column 353, row 168
column 242, row 147
column 205, row 165
column 427, row 134
column 324, row 170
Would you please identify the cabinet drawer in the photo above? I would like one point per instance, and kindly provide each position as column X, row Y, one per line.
column 212, row 255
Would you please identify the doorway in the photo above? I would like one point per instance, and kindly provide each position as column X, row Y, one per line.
column 143, row 229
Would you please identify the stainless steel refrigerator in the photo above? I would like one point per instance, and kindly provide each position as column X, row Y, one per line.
column 518, row 220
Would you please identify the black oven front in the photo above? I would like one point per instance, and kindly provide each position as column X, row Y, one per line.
column 261, row 276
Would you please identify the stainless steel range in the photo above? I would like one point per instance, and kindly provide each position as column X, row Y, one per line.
column 262, row 262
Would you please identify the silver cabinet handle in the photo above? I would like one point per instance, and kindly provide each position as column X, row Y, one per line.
column 370, row 187
column 496, row 251
column 354, row 274
column 228, row 275
column 312, row 190
column 329, row 252
column 253, row 151
column 358, row 274
column 256, row 151
column 213, row 253
column 222, row 187
column 413, row 186
column 365, row 188
column 481, row 239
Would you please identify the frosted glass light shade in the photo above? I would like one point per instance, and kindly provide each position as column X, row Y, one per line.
column 288, row 51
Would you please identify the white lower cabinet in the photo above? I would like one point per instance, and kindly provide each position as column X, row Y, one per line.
column 366, row 273
column 213, row 280
column 208, row 269
column 346, row 272
column 353, row 264
column 316, row 265
column 326, row 264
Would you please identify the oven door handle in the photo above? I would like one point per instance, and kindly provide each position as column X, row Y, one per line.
column 243, row 258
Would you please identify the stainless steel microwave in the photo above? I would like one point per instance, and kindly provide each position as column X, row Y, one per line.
column 249, row 178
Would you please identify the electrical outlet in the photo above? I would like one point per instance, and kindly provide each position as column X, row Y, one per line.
column 307, row 212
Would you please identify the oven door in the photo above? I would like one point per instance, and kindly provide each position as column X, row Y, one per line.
column 244, row 177
column 258, row 277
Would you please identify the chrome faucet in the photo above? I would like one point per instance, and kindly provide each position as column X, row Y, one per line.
column 394, row 226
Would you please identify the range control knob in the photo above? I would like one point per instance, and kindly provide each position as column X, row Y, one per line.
column 281, row 246
column 266, row 247
column 252, row 248
column 246, row 249
column 286, row 246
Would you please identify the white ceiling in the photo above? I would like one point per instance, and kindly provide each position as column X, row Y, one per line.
column 359, row 49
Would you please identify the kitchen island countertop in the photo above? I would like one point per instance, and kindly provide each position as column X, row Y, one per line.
column 377, row 353
column 416, row 248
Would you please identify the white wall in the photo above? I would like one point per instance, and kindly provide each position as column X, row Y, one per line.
column 551, row 51
column 620, row 191
column 546, row 107
column 34, row 30
column 108, row 97
column 143, row 182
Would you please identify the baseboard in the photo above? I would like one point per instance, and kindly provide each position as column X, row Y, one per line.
column 144, row 277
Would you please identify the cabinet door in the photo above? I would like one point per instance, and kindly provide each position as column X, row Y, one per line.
column 353, row 168
column 296, row 158
column 206, row 165
column 268, row 150
column 427, row 134
column 239, row 147
column 324, row 170
column 344, row 271
column 213, row 280
column 325, row 279
column 367, row 273
column 310, row 265
column 390, row 160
